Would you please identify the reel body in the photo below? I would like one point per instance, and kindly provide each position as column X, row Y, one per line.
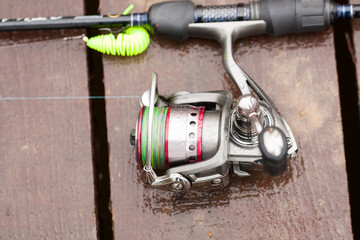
column 200, row 137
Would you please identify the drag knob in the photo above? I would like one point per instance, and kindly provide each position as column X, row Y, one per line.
column 273, row 146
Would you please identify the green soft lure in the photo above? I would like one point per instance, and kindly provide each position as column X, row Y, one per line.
column 132, row 41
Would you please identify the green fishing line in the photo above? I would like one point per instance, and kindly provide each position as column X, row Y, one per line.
column 158, row 137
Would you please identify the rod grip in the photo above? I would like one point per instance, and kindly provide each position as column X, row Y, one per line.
column 296, row 16
column 171, row 19
column 356, row 10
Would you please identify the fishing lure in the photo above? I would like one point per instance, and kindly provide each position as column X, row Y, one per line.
column 132, row 41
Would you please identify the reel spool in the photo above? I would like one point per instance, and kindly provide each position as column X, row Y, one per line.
column 180, row 135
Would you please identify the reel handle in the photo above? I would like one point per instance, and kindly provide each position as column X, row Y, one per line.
column 273, row 147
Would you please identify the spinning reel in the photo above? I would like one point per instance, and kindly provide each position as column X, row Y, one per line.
column 198, row 137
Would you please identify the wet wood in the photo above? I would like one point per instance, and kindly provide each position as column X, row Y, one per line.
column 298, row 72
column 46, row 183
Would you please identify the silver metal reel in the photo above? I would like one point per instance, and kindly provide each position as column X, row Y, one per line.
column 251, row 136
column 222, row 149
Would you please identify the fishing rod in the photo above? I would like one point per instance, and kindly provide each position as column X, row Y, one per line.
column 172, row 19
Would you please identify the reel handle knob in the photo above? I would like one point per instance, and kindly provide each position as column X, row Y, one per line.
column 273, row 146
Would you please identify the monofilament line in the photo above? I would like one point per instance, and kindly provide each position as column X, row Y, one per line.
column 66, row 98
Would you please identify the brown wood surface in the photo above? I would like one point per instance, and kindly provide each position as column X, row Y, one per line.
column 46, row 175
column 299, row 74
column 356, row 51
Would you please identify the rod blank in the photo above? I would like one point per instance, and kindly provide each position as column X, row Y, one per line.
column 92, row 21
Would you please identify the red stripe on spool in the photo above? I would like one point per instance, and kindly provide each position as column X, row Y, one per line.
column 199, row 133
column 139, row 136
column 167, row 138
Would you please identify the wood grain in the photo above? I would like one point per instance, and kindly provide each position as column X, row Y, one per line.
column 46, row 176
column 298, row 72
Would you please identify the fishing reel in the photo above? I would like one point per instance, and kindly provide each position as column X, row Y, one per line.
column 198, row 137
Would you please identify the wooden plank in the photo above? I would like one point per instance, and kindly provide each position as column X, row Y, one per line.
column 356, row 40
column 299, row 74
column 46, row 183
